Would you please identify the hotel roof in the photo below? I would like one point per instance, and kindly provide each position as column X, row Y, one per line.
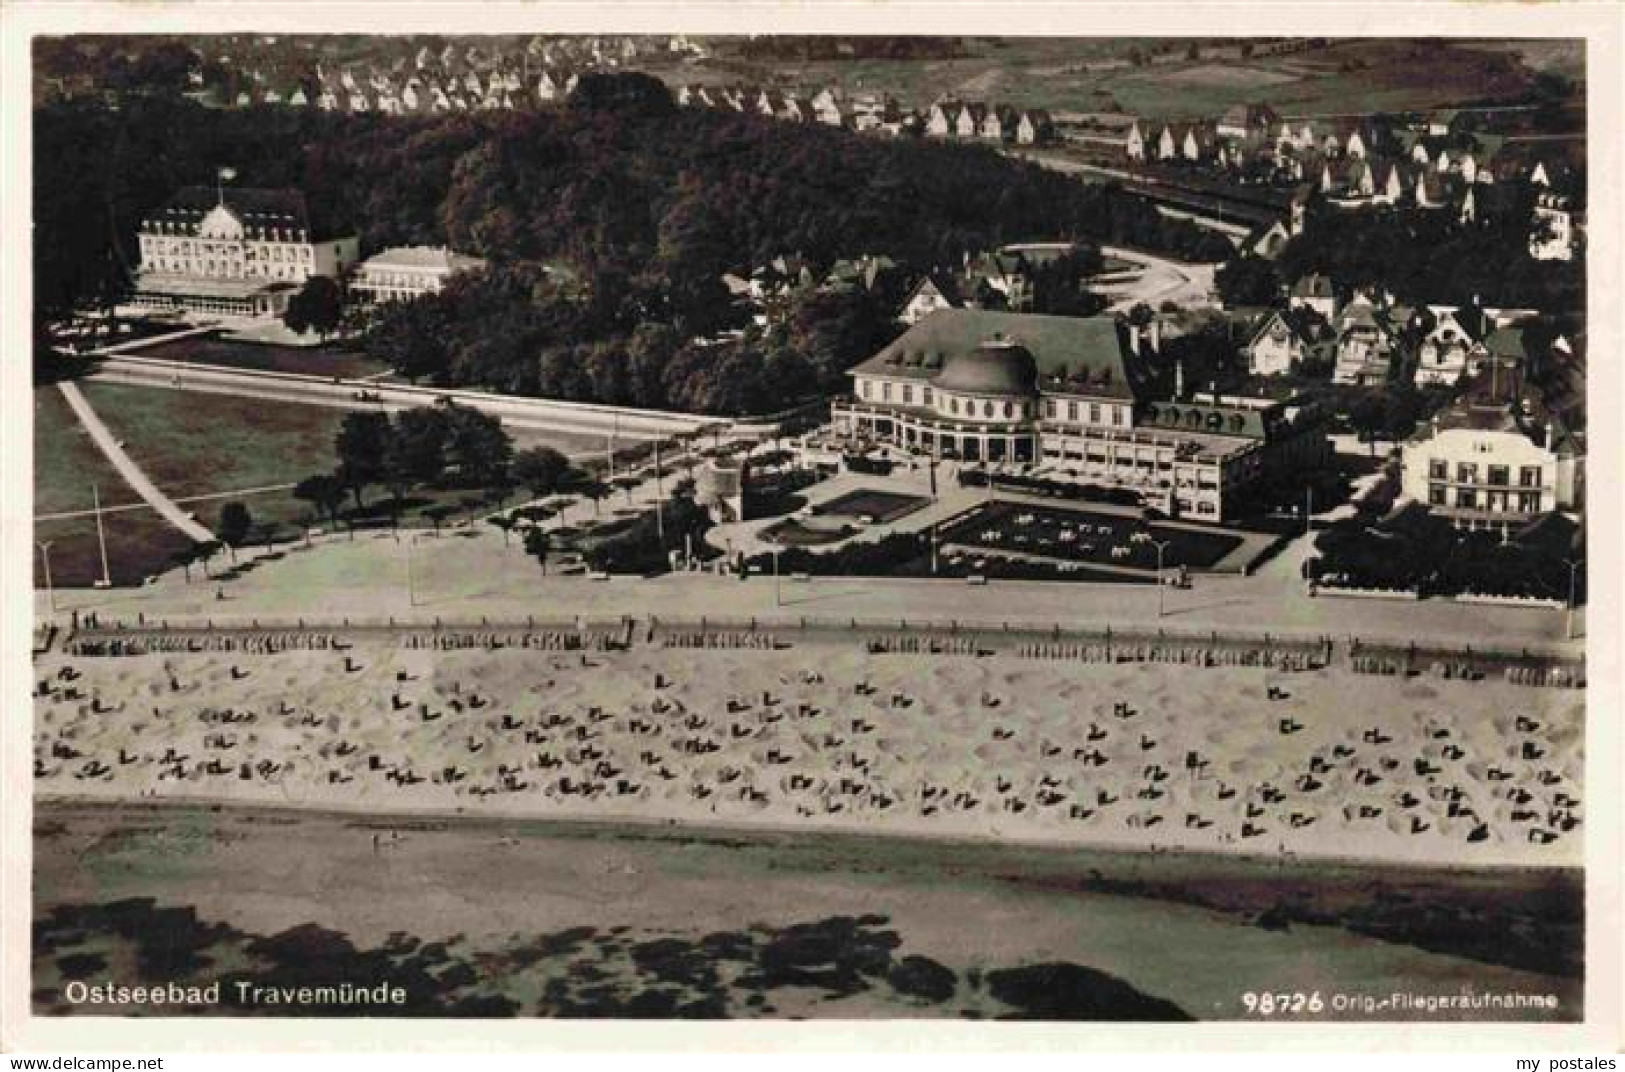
column 1085, row 355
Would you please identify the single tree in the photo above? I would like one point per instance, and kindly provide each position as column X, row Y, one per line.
column 317, row 306
column 537, row 545
column 362, row 445
column 235, row 523
column 541, row 469
column 323, row 492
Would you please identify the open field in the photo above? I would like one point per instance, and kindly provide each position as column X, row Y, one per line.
column 139, row 544
column 67, row 462
column 196, row 445
column 328, row 360
column 598, row 919
column 1081, row 75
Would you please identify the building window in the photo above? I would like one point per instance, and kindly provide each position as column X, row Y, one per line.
column 1094, row 413
column 863, row 388
column 1438, row 469
column 1529, row 502
column 1436, row 495
column 1049, row 408
column 1120, row 413
column 1071, row 411
column 987, row 409
column 1009, row 410
column 885, row 392
column 1498, row 476
column 908, row 394
column 953, row 406
column 1529, row 476
column 926, row 392
column 1466, row 473
column 1466, row 497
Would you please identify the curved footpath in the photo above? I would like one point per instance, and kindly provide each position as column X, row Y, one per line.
column 131, row 472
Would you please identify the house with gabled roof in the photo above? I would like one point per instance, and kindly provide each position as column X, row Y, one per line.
column 934, row 291
column 1314, row 291
column 1283, row 340
column 1035, row 127
column 1451, row 343
column 1366, row 343
column 968, row 123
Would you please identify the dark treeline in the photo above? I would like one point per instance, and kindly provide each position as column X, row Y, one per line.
column 1432, row 257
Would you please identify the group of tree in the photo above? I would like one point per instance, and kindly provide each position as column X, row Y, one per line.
column 441, row 446
column 1421, row 551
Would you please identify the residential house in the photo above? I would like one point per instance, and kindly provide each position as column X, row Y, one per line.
column 1366, row 343
column 968, row 122
column 1284, row 340
column 999, row 124
column 1314, row 291
column 1552, row 234
column 1134, row 145
column 1035, row 127
column 1451, row 344
column 934, row 291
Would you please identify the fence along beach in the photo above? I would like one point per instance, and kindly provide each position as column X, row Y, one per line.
column 1146, row 740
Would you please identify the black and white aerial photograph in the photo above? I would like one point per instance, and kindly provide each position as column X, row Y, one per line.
column 781, row 526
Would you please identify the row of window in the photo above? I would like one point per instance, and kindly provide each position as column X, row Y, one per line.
column 397, row 280
column 967, row 407
column 1523, row 502
column 248, row 251
column 229, row 270
column 1118, row 415
column 1529, row 476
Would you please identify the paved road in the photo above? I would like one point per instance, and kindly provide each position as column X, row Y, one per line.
column 1161, row 280
column 131, row 472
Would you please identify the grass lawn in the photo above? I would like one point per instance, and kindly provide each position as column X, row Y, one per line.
column 305, row 360
column 139, row 543
column 197, row 444
column 883, row 506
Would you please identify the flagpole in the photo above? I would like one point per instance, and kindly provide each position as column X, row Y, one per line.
column 101, row 535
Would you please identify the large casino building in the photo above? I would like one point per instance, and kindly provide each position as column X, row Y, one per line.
column 1089, row 399
column 234, row 252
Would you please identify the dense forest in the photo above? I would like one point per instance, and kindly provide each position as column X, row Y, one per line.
column 643, row 204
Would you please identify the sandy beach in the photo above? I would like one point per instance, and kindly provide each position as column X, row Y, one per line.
column 831, row 736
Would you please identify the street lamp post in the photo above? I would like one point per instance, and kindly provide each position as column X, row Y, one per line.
column 50, row 591
column 1161, row 546
column 411, row 583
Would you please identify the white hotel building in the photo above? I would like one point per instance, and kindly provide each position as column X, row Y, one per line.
column 234, row 252
column 405, row 272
